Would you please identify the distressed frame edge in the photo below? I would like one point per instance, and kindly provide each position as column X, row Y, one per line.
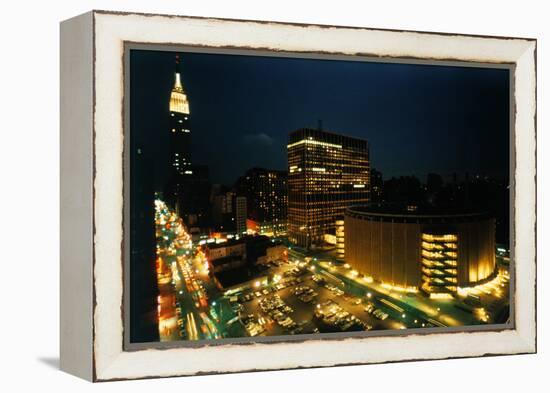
column 76, row 208
column 526, row 317
column 305, row 24
column 528, row 340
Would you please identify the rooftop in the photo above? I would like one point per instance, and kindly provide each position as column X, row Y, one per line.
column 242, row 240
column 414, row 211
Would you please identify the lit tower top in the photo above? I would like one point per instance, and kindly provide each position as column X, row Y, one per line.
column 180, row 128
column 178, row 98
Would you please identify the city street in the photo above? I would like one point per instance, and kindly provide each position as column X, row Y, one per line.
column 198, row 316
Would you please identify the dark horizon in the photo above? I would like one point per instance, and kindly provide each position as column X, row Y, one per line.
column 418, row 119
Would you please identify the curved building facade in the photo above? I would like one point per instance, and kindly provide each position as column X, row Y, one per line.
column 419, row 248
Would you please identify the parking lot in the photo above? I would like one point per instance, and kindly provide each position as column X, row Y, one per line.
column 304, row 303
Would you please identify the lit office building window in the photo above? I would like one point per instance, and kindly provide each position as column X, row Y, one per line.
column 327, row 173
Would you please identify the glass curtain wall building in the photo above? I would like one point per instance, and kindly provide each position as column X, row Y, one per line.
column 267, row 199
column 327, row 173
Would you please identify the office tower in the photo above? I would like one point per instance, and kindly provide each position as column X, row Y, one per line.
column 180, row 129
column 189, row 187
column 266, row 193
column 240, row 214
column 229, row 212
column 327, row 173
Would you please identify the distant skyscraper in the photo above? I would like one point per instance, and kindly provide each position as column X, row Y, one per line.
column 266, row 193
column 223, row 211
column 240, row 214
column 327, row 173
column 376, row 185
column 229, row 212
column 180, row 129
column 188, row 188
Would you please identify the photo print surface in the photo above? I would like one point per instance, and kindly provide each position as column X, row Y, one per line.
column 276, row 196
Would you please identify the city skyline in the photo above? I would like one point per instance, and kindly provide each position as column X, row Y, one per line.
column 303, row 250
column 429, row 117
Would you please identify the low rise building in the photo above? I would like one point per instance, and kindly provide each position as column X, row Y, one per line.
column 244, row 253
column 421, row 248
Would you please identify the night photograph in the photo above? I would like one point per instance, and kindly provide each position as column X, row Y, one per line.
column 278, row 196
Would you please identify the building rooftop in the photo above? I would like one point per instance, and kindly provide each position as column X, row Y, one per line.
column 265, row 170
column 241, row 240
column 227, row 259
column 229, row 278
column 414, row 211
column 326, row 136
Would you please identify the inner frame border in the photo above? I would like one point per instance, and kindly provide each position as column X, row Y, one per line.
column 310, row 55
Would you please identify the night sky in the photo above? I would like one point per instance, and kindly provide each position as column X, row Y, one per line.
column 418, row 119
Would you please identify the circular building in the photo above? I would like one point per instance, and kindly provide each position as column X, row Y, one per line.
column 420, row 248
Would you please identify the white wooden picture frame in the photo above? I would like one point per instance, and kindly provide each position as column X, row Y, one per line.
column 92, row 194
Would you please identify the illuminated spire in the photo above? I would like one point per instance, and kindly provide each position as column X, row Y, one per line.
column 178, row 98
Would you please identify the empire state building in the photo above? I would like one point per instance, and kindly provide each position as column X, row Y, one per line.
column 188, row 188
column 180, row 130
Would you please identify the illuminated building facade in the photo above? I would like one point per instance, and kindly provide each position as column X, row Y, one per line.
column 327, row 173
column 229, row 213
column 421, row 249
column 188, row 187
column 240, row 214
column 242, row 253
column 340, row 238
column 266, row 193
column 180, row 130
column 223, row 208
